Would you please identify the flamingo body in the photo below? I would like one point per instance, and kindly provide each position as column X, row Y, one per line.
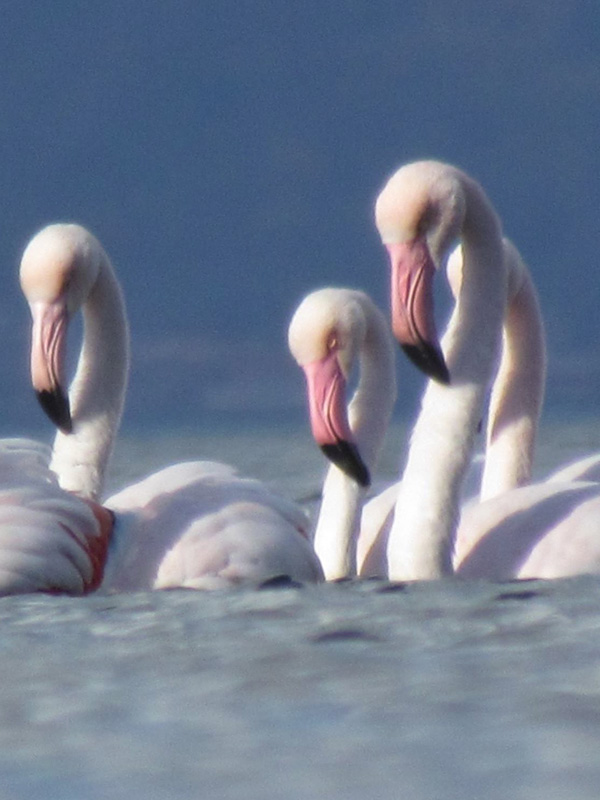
column 244, row 533
column 50, row 541
column 584, row 469
column 545, row 530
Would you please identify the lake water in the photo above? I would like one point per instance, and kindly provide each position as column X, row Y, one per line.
column 429, row 691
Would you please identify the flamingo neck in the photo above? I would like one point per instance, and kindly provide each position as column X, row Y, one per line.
column 338, row 524
column 369, row 415
column 517, row 396
column 97, row 393
column 421, row 540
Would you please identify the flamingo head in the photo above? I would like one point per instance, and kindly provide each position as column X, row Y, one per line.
column 325, row 337
column 419, row 214
column 58, row 270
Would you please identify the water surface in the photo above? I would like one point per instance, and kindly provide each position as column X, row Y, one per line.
column 445, row 690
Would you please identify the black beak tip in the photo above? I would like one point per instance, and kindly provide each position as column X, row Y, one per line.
column 56, row 407
column 345, row 455
column 429, row 360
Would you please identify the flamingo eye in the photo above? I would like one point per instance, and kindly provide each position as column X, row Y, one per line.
column 332, row 342
column 428, row 220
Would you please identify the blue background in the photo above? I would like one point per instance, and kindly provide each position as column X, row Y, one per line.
column 228, row 154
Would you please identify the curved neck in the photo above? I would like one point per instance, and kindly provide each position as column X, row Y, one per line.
column 369, row 414
column 427, row 510
column 517, row 395
column 97, row 392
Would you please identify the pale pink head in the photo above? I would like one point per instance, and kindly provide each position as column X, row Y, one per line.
column 58, row 269
column 419, row 215
column 325, row 336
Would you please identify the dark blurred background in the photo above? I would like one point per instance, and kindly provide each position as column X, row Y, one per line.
column 227, row 153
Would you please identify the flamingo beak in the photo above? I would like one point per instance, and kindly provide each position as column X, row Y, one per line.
column 48, row 346
column 413, row 322
column 329, row 420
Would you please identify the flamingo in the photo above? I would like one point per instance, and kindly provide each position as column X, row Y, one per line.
column 330, row 331
column 544, row 530
column 64, row 268
column 197, row 524
column 424, row 207
column 50, row 540
column 514, row 408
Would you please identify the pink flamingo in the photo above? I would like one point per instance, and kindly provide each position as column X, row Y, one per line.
column 513, row 414
column 546, row 530
column 195, row 524
column 330, row 332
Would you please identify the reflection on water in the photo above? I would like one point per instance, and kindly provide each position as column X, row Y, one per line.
column 446, row 689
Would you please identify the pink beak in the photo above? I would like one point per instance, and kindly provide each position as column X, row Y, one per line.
column 48, row 346
column 413, row 322
column 326, row 386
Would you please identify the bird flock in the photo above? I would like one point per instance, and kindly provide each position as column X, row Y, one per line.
column 201, row 525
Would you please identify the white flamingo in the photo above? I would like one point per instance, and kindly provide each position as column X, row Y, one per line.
column 423, row 208
column 50, row 539
column 514, row 408
column 331, row 330
column 194, row 524
column 543, row 530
